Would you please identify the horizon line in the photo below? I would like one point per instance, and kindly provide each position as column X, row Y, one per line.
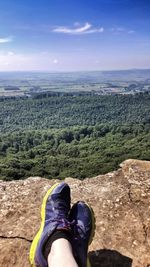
column 75, row 71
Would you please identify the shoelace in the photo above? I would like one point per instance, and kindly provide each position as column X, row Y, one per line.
column 78, row 230
column 64, row 222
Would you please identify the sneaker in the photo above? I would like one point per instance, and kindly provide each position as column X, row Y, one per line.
column 54, row 215
column 83, row 232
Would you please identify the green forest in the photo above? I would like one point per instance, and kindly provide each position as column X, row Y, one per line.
column 77, row 136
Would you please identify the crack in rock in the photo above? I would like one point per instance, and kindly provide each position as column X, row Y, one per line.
column 16, row 237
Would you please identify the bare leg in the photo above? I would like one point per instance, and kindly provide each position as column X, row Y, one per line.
column 61, row 254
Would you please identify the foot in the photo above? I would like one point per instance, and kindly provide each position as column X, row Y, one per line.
column 83, row 231
column 54, row 215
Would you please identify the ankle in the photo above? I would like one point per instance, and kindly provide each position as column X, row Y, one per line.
column 61, row 252
column 60, row 245
column 56, row 236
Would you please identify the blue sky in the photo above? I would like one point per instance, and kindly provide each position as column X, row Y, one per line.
column 74, row 35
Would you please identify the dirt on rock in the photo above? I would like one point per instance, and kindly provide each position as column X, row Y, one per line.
column 121, row 203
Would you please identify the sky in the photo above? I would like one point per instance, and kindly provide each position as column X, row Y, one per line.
column 74, row 35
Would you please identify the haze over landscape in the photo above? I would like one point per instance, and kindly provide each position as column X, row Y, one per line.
column 73, row 35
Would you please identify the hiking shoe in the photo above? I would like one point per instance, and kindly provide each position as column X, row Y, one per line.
column 54, row 215
column 83, row 232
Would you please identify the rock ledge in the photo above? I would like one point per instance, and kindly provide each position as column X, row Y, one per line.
column 121, row 202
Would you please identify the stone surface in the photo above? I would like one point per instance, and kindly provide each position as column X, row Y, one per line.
column 121, row 203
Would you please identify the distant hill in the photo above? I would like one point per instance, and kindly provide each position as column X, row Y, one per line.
column 98, row 76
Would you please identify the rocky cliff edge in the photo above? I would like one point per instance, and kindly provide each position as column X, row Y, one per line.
column 120, row 200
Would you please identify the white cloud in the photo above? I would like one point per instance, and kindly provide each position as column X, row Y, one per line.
column 10, row 53
column 85, row 29
column 131, row 32
column 70, row 61
column 55, row 61
column 30, row 62
column 6, row 40
column 119, row 30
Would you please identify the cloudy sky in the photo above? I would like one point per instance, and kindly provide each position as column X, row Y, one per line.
column 74, row 35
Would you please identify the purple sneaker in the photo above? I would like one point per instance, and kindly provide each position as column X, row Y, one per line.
column 83, row 232
column 54, row 215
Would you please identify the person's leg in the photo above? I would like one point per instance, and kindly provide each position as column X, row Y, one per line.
column 61, row 254
column 47, row 244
